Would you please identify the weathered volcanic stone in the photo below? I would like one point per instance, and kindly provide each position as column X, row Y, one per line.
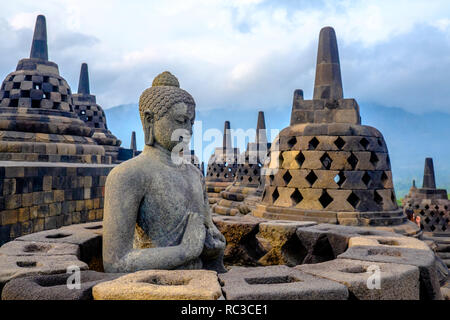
column 12, row 267
column 279, row 239
column 87, row 236
column 397, row 282
column 326, row 241
column 156, row 213
column 383, row 241
column 32, row 248
column 161, row 285
column 76, row 234
column 424, row 260
column 54, row 287
column 242, row 246
column 278, row 283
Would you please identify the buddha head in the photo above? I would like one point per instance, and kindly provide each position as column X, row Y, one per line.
column 167, row 112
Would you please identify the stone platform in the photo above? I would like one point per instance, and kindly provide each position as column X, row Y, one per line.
column 308, row 260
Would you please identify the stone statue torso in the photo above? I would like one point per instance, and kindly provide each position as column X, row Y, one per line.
column 162, row 215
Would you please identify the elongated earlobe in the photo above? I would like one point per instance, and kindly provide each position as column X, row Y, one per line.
column 148, row 130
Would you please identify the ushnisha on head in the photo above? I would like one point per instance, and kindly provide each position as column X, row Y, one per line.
column 166, row 112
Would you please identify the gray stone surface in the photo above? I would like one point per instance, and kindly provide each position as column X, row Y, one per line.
column 397, row 282
column 33, row 248
column 326, row 241
column 12, row 267
column 156, row 213
column 424, row 260
column 278, row 283
column 54, row 287
column 279, row 240
column 161, row 285
column 76, row 235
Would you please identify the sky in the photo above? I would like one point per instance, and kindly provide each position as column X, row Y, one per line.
column 241, row 54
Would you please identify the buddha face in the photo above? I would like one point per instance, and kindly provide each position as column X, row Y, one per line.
column 172, row 128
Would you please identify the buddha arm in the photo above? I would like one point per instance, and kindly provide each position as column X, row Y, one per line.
column 123, row 195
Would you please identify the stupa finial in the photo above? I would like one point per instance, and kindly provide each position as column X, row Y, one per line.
column 226, row 136
column 429, row 181
column 39, row 48
column 328, row 83
column 83, row 83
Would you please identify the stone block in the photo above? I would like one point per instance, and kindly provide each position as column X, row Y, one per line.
column 278, row 283
column 242, row 247
column 385, row 241
column 54, row 286
column 326, row 241
column 423, row 259
column 278, row 239
column 161, row 285
column 32, row 248
column 397, row 282
column 12, row 267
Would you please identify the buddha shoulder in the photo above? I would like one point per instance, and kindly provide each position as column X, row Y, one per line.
column 130, row 172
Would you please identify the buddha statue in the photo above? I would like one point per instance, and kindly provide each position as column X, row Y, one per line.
column 156, row 212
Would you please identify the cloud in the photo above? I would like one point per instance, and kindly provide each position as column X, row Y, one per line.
column 243, row 54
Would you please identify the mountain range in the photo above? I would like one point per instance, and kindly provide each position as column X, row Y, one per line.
column 410, row 137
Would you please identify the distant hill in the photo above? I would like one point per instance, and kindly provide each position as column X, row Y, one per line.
column 410, row 137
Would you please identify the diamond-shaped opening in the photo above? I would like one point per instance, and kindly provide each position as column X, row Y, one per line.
column 287, row 177
column 325, row 199
column 432, row 213
column 427, row 207
column 280, row 160
column 300, row 158
column 432, row 227
column 377, row 198
column 340, row 178
column 427, row 220
column 313, row 143
column 373, row 159
column 275, row 195
column 296, row 197
column 292, row 141
column 245, row 171
column 311, row 178
column 384, row 178
column 271, row 177
column 380, row 143
column 250, row 179
column 436, row 207
column 394, row 200
column 339, row 143
column 353, row 161
column 353, row 199
column 366, row 178
column 326, row 161
column 364, row 143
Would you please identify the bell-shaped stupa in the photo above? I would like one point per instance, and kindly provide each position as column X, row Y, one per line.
column 430, row 204
column 222, row 166
column 85, row 105
column 37, row 119
column 326, row 166
column 245, row 192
